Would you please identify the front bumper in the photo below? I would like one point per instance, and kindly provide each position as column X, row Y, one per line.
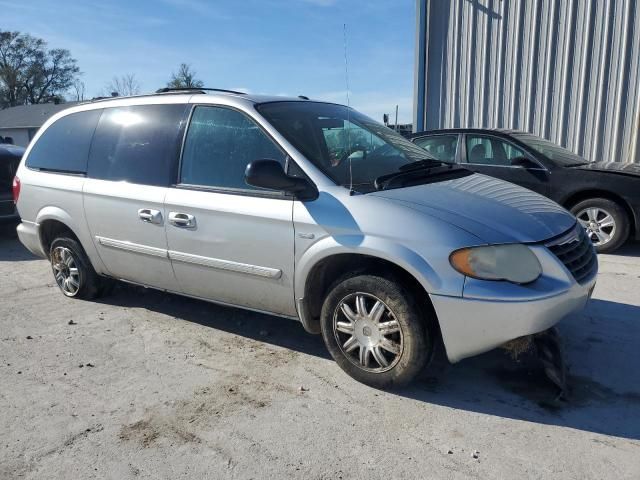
column 491, row 313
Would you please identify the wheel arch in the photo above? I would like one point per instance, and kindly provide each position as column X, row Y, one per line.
column 577, row 197
column 52, row 221
column 330, row 268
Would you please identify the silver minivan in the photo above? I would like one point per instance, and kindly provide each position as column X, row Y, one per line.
column 303, row 209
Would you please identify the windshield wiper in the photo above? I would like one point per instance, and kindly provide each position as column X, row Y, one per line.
column 420, row 164
column 421, row 168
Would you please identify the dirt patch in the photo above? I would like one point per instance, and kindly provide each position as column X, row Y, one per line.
column 180, row 422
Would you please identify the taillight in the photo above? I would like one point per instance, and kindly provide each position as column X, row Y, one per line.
column 16, row 189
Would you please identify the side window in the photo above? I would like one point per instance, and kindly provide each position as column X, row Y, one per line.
column 137, row 144
column 442, row 147
column 220, row 143
column 64, row 146
column 490, row 151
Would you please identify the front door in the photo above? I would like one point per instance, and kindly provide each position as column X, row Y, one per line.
column 132, row 161
column 494, row 157
column 230, row 242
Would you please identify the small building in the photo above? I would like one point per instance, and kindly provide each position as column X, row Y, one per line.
column 18, row 125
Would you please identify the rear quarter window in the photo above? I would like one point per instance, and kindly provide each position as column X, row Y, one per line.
column 64, row 145
column 137, row 144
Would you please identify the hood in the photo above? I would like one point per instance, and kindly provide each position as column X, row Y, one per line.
column 613, row 167
column 491, row 209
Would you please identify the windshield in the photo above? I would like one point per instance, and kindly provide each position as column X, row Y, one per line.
column 550, row 150
column 348, row 146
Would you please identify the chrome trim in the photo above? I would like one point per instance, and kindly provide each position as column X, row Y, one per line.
column 132, row 247
column 572, row 235
column 220, row 264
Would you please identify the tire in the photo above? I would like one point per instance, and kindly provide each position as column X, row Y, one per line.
column 385, row 301
column 592, row 212
column 66, row 254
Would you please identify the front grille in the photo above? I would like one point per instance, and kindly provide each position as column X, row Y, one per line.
column 576, row 252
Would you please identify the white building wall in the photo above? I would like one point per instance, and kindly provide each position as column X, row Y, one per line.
column 567, row 70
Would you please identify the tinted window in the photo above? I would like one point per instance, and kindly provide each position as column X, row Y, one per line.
column 64, row 146
column 220, row 144
column 550, row 150
column 442, row 147
column 137, row 144
column 491, row 151
column 348, row 147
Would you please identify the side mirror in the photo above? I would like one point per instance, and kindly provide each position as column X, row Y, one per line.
column 524, row 162
column 269, row 174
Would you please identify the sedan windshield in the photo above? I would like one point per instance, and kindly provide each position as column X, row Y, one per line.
column 350, row 148
column 553, row 152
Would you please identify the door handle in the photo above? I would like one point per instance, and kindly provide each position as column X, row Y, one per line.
column 150, row 216
column 182, row 220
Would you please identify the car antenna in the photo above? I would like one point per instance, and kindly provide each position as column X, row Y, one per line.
column 346, row 78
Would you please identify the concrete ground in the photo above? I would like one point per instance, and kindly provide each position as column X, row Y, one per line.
column 148, row 385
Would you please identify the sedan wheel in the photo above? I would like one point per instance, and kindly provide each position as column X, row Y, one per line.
column 599, row 225
column 605, row 221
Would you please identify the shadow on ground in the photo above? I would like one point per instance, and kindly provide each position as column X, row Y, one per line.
column 493, row 383
column 10, row 248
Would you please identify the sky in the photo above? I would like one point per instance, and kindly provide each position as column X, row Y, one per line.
column 282, row 47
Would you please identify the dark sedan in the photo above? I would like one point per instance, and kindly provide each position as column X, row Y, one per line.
column 604, row 196
column 10, row 156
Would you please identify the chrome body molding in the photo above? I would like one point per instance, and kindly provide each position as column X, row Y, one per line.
column 220, row 264
column 217, row 263
column 132, row 247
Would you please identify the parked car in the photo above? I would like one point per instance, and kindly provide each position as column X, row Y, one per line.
column 303, row 209
column 604, row 196
column 10, row 156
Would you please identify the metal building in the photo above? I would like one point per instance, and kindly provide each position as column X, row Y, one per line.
column 567, row 70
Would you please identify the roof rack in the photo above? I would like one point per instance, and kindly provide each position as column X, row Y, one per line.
column 196, row 90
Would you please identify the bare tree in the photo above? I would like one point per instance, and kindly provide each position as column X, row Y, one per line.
column 31, row 73
column 123, row 86
column 184, row 78
column 78, row 91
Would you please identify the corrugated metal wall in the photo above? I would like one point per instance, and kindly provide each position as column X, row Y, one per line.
column 567, row 70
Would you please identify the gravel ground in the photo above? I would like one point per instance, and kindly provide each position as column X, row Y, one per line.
column 148, row 385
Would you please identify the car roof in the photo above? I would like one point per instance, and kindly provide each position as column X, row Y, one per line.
column 208, row 94
column 9, row 150
column 504, row 131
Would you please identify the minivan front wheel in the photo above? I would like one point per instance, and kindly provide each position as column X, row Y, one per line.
column 72, row 270
column 374, row 331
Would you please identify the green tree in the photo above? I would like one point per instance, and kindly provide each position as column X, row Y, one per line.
column 184, row 78
column 32, row 73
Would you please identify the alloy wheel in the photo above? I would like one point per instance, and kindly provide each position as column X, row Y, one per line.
column 368, row 332
column 65, row 271
column 598, row 223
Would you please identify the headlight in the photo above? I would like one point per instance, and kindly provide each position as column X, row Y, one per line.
column 514, row 262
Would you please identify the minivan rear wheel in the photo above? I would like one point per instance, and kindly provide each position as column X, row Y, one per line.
column 374, row 331
column 72, row 269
